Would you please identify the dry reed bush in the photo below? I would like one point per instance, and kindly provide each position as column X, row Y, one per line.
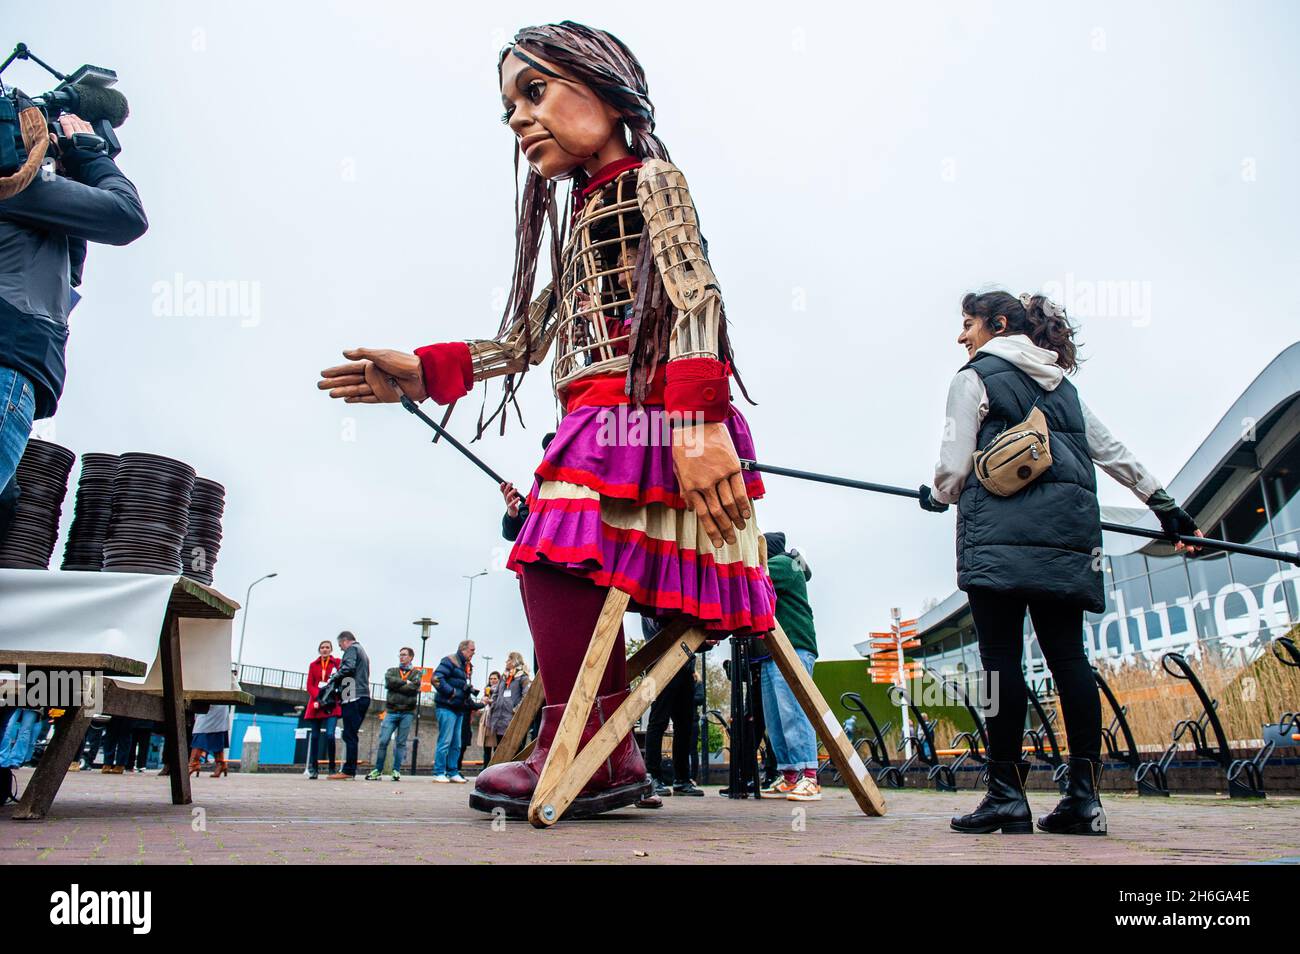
column 1249, row 695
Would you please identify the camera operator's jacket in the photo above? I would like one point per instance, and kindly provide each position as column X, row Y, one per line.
column 43, row 234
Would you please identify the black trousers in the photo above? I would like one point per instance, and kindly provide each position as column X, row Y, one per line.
column 354, row 713
column 675, row 703
column 999, row 624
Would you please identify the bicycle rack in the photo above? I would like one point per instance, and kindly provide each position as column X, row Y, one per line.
column 1051, row 752
column 877, row 749
column 1245, row 776
column 974, row 741
column 1149, row 776
column 923, row 746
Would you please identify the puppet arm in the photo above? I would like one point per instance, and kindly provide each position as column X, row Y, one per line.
column 450, row 369
column 697, row 380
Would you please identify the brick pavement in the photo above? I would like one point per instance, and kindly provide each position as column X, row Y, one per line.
column 268, row 819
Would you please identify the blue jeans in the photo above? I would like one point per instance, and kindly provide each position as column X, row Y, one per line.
column 17, row 407
column 401, row 721
column 449, row 723
column 791, row 734
column 20, row 738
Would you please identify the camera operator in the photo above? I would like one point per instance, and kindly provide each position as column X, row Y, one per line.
column 43, row 234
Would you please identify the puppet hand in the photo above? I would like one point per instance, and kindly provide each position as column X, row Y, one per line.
column 375, row 376
column 709, row 479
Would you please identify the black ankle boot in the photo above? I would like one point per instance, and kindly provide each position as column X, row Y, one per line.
column 1079, row 812
column 1004, row 807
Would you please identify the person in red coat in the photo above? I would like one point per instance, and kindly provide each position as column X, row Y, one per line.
column 320, row 721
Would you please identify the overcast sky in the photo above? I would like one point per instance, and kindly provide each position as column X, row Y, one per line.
column 857, row 168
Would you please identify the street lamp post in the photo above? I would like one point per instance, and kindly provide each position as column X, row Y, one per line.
column 425, row 625
column 243, row 626
column 469, row 606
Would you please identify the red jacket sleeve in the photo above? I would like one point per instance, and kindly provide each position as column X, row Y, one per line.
column 698, row 386
column 447, row 370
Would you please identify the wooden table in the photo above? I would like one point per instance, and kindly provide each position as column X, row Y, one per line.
column 189, row 600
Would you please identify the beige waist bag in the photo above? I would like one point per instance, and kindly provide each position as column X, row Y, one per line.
column 1015, row 457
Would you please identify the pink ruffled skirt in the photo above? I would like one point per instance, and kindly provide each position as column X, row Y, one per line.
column 605, row 505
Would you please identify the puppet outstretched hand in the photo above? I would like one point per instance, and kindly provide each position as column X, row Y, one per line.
column 375, row 376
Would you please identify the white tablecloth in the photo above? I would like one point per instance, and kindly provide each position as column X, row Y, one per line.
column 117, row 613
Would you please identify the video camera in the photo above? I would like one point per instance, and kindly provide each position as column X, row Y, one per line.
column 86, row 92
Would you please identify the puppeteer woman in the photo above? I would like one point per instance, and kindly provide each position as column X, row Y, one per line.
column 634, row 318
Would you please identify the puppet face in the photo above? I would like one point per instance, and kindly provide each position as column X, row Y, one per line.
column 560, row 123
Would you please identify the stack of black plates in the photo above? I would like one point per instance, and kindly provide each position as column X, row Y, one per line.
column 43, row 483
column 151, row 506
column 85, row 546
column 203, row 538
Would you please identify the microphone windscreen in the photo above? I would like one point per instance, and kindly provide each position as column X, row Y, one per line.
column 101, row 102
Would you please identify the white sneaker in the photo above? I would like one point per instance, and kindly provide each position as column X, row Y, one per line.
column 806, row 790
column 458, row 779
column 440, row 778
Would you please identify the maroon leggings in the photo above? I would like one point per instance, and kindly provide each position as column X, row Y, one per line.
column 562, row 610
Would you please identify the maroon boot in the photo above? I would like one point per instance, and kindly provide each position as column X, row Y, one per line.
column 620, row 781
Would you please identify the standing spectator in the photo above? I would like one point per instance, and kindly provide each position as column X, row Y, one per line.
column 699, row 701
column 354, row 679
column 321, row 722
column 19, row 738
column 466, row 724
column 513, row 686
column 676, row 703
column 484, row 736
column 403, row 685
column 453, row 701
column 211, row 734
column 792, row 736
column 141, row 739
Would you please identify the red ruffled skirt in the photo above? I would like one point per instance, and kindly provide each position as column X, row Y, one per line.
column 605, row 505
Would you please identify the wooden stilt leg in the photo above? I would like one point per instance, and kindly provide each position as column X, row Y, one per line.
column 508, row 749
column 660, row 643
column 64, row 748
column 556, row 791
column 568, row 736
column 829, row 730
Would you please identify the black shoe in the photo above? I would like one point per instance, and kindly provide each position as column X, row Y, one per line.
column 1005, row 808
column 312, row 775
column 1079, row 811
column 686, row 788
column 662, row 790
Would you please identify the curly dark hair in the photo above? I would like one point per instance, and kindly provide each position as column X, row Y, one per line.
column 1043, row 322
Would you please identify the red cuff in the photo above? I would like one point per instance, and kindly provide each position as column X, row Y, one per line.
column 447, row 370
column 698, row 386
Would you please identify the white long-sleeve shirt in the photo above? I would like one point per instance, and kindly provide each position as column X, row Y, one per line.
column 968, row 406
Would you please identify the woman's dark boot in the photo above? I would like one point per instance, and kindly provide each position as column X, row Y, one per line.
column 1005, row 808
column 1079, row 812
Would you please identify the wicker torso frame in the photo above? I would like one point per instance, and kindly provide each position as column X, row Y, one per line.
column 595, row 287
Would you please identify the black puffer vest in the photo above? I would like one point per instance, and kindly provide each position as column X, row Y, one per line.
column 1045, row 541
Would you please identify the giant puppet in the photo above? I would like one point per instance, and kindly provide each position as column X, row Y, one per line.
column 639, row 501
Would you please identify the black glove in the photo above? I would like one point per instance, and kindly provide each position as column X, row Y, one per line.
column 929, row 503
column 1174, row 520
